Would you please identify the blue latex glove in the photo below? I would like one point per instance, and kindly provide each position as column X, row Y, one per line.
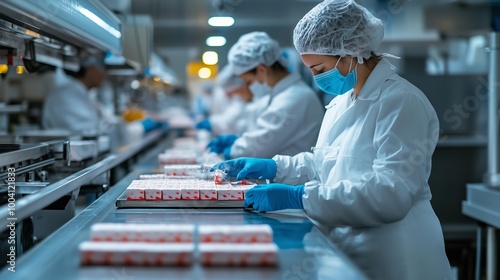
column 204, row 124
column 274, row 197
column 251, row 168
column 227, row 152
column 150, row 124
column 222, row 142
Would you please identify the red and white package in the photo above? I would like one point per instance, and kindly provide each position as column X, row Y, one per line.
column 153, row 194
column 144, row 254
column 235, row 233
column 182, row 170
column 136, row 190
column 171, row 193
column 190, row 193
column 152, row 176
column 151, row 233
column 229, row 192
column 217, row 254
column 219, row 177
column 208, row 193
column 178, row 157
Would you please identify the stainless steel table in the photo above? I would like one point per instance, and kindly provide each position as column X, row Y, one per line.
column 483, row 205
column 304, row 252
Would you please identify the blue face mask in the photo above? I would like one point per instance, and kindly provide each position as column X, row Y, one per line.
column 332, row 82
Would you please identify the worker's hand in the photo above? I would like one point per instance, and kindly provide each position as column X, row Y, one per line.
column 248, row 168
column 227, row 153
column 222, row 142
column 150, row 124
column 274, row 197
column 204, row 124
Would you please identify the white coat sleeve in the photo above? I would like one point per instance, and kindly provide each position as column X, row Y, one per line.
column 68, row 111
column 386, row 193
column 296, row 170
column 278, row 123
column 225, row 122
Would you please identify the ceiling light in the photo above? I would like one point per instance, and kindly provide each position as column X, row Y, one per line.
column 210, row 58
column 216, row 41
column 204, row 73
column 135, row 84
column 221, row 21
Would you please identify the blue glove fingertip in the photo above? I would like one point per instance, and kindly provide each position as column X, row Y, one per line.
column 241, row 175
column 149, row 124
column 227, row 153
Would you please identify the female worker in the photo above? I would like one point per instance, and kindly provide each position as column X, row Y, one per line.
column 291, row 120
column 241, row 111
column 365, row 182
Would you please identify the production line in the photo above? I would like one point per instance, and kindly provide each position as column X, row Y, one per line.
column 302, row 248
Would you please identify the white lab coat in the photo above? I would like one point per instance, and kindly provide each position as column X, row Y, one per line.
column 366, row 180
column 70, row 107
column 225, row 122
column 251, row 112
column 289, row 124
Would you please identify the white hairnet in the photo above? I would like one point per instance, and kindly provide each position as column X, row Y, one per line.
column 87, row 61
column 228, row 80
column 338, row 27
column 252, row 49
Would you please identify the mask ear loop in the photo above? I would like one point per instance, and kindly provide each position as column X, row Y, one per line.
column 336, row 64
column 264, row 80
column 355, row 67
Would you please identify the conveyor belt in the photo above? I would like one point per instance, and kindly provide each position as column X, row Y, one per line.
column 304, row 252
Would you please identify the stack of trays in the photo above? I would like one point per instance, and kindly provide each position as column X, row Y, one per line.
column 186, row 189
column 173, row 245
column 143, row 244
column 237, row 245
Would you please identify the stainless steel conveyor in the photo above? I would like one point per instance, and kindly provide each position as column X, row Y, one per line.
column 304, row 251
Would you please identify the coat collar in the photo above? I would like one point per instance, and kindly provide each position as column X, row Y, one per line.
column 381, row 73
column 285, row 83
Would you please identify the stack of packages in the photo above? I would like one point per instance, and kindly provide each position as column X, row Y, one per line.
column 179, row 171
column 139, row 244
column 186, row 189
column 183, row 151
column 237, row 245
column 164, row 245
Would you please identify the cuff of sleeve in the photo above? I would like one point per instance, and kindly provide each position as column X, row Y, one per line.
column 278, row 177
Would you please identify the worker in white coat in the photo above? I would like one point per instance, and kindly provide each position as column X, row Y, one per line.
column 69, row 105
column 290, row 122
column 230, row 92
column 366, row 181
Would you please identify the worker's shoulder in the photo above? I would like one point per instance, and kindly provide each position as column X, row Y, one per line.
column 397, row 92
column 299, row 90
column 68, row 86
column 396, row 88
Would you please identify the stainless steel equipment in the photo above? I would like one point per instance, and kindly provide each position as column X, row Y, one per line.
column 492, row 178
column 23, row 172
column 483, row 200
column 304, row 251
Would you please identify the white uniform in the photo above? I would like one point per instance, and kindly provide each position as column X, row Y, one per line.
column 251, row 112
column 69, row 107
column 224, row 122
column 366, row 180
column 289, row 124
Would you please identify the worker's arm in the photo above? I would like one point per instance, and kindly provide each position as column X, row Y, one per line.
column 386, row 191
